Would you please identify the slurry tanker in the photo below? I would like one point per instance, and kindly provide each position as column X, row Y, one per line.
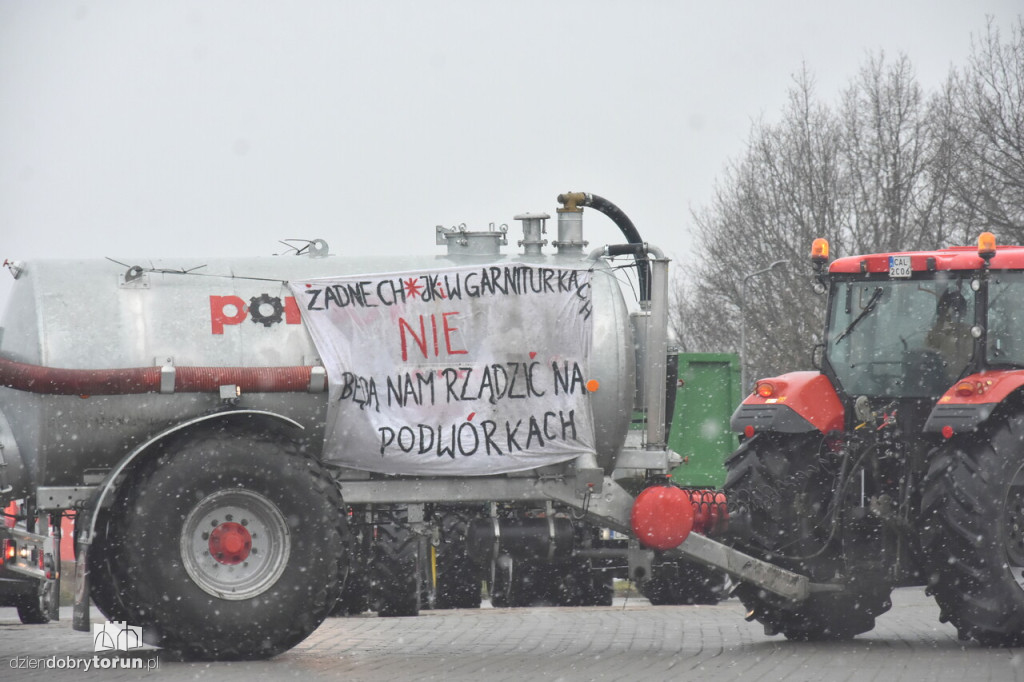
column 252, row 444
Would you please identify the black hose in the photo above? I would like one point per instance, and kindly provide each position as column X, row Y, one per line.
column 601, row 204
column 632, row 235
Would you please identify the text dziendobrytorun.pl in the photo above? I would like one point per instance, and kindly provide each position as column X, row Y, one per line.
column 86, row 663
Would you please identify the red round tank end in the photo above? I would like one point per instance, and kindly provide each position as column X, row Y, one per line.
column 662, row 517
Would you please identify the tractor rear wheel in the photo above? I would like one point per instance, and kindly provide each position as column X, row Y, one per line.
column 781, row 498
column 972, row 532
column 229, row 544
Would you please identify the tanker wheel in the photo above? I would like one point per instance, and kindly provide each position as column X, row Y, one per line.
column 779, row 499
column 396, row 568
column 534, row 583
column 354, row 598
column 499, row 581
column 602, row 589
column 459, row 582
column 231, row 545
column 675, row 583
column 522, row 582
column 973, row 532
column 582, row 584
column 43, row 605
column 38, row 608
column 103, row 560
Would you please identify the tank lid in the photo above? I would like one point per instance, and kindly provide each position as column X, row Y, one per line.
column 463, row 242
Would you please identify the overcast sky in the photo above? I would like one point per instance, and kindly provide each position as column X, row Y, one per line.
column 137, row 128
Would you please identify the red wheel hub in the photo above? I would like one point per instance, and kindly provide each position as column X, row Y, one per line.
column 230, row 543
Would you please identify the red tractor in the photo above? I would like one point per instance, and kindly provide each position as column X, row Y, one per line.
column 900, row 460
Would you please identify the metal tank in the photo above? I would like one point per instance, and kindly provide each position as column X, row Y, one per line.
column 179, row 314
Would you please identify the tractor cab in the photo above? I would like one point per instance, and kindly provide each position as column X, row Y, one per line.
column 906, row 331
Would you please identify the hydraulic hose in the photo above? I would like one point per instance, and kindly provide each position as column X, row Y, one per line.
column 55, row 381
column 629, row 231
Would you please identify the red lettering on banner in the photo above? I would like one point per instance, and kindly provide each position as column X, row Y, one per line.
column 420, row 340
column 448, row 336
column 405, row 330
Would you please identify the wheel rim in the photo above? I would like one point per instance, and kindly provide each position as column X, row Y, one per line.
column 235, row 544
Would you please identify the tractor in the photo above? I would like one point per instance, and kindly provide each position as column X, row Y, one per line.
column 899, row 460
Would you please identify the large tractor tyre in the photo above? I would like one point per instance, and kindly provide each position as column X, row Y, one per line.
column 973, row 532
column 780, row 504
column 230, row 545
column 459, row 579
column 396, row 570
column 683, row 583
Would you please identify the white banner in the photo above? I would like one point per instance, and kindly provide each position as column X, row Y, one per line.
column 458, row 372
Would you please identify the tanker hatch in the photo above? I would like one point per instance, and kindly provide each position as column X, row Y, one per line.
column 463, row 242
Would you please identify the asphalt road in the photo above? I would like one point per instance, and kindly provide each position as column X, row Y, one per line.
column 629, row 641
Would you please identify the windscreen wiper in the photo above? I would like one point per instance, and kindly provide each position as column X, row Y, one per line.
column 864, row 313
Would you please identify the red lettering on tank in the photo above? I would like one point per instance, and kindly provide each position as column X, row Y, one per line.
column 218, row 316
column 291, row 311
column 231, row 310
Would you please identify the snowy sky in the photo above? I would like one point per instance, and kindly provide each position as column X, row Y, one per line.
column 138, row 128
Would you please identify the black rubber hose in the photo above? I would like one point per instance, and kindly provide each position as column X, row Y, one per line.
column 632, row 235
column 625, row 250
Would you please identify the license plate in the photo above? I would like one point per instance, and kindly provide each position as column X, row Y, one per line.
column 899, row 266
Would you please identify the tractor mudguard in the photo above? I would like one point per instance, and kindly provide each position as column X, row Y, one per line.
column 798, row 402
column 972, row 400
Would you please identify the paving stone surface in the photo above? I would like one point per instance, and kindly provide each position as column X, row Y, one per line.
column 629, row 641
